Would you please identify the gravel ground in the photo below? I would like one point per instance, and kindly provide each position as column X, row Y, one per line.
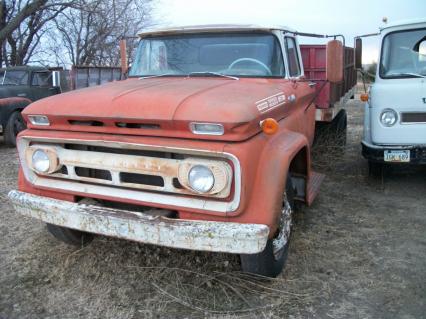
column 358, row 252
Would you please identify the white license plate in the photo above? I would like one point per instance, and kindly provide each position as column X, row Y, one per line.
column 397, row 156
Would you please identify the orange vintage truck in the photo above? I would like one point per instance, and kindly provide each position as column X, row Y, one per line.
column 206, row 146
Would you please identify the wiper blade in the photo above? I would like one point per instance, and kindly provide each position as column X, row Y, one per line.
column 155, row 76
column 204, row 73
column 417, row 75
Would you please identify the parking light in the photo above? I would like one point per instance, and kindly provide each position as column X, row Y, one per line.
column 39, row 120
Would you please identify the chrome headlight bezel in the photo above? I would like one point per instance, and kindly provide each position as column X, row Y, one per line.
column 50, row 156
column 392, row 115
column 221, row 173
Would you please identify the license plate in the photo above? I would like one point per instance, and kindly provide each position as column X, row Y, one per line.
column 397, row 156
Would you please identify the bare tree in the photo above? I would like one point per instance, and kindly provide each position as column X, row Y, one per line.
column 22, row 24
column 90, row 36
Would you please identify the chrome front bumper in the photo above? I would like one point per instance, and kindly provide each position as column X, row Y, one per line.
column 176, row 233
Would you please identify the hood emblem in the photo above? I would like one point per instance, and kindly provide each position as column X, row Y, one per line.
column 270, row 102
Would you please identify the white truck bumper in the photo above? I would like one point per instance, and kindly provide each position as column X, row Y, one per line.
column 176, row 233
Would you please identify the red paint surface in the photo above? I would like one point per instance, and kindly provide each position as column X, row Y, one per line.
column 174, row 103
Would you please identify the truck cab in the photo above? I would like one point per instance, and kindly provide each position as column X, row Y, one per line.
column 19, row 86
column 206, row 146
column 395, row 113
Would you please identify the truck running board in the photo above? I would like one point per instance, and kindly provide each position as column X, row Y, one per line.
column 314, row 184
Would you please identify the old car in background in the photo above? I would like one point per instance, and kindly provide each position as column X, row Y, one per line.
column 21, row 85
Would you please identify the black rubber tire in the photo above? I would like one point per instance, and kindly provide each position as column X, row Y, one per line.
column 340, row 128
column 264, row 263
column 70, row 236
column 375, row 169
column 15, row 124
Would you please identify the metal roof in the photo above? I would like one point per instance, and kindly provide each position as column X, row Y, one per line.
column 24, row 67
column 212, row 28
column 401, row 23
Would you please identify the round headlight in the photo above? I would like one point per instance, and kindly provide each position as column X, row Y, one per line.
column 200, row 178
column 388, row 117
column 41, row 162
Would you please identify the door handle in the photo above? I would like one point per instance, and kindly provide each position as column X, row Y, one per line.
column 312, row 84
column 22, row 94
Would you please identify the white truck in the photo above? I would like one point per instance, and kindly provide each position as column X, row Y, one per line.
column 395, row 112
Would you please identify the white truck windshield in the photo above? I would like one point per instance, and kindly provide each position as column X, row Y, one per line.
column 404, row 54
column 234, row 54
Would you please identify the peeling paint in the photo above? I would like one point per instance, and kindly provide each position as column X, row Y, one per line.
column 158, row 230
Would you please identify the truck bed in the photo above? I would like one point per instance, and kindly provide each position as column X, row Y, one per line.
column 314, row 64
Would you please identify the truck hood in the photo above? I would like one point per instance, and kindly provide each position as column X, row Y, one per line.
column 165, row 106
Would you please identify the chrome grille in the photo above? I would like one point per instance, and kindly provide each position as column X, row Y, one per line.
column 413, row 117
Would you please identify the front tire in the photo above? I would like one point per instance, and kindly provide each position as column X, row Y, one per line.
column 271, row 261
column 70, row 236
column 14, row 125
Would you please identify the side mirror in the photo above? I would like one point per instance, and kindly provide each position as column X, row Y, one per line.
column 56, row 79
column 334, row 63
column 358, row 53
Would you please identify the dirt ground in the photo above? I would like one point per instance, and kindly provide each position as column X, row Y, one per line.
column 358, row 252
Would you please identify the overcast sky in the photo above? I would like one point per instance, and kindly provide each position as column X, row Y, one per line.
column 350, row 18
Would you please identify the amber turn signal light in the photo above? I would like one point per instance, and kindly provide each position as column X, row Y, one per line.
column 269, row 126
column 364, row 97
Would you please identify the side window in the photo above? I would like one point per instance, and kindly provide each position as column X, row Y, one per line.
column 41, row 79
column 292, row 57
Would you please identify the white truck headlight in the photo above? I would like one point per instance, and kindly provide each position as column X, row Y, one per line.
column 388, row 117
column 41, row 161
column 201, row 178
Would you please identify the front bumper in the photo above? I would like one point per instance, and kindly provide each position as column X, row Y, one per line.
column 176, row 233
column 375, row 153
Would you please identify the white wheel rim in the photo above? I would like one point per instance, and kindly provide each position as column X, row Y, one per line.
column 279, row 242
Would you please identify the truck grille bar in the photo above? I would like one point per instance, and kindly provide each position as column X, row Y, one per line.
column 135, row 172
column 413, row 117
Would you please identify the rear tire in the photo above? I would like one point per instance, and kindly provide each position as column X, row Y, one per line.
column 271, row 261
column 14, row 125
column 340, row 126
column 70, row 236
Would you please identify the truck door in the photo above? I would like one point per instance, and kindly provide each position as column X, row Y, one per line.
column 41, row 85
column 303, row 91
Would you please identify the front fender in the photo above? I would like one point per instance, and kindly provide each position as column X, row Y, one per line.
column 10, row 105
column 269, row 185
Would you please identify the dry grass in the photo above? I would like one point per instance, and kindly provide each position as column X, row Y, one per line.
column 358, row 252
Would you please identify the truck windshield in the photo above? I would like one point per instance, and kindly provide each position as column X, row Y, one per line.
column 13, row 77
column 404, row 54
column 234, row 54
